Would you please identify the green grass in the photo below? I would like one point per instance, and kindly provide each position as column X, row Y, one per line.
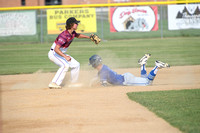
column 29, row 58
column 178, row 107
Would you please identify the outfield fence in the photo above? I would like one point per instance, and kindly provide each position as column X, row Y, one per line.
column 102, row 22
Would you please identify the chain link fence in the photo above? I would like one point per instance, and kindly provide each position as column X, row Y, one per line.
column 103, row 29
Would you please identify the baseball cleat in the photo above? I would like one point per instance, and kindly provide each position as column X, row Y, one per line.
column 160, row 64
column 144, row 59
column 54, row 86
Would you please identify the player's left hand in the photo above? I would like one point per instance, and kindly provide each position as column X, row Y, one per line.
column 104, row 83
column 95, row 38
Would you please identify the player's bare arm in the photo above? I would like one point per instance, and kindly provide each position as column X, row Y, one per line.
column 93, row 37
column 58, row 51
column 83, row 36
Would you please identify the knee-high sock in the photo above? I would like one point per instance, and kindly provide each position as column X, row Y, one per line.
column 153, row 73
column 143, row 71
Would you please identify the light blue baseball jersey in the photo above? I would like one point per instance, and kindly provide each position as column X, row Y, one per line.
column 106, row 74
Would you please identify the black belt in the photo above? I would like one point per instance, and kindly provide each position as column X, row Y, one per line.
column 51, row 49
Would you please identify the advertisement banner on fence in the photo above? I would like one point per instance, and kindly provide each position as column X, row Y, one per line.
column 56, row 19
column 142, row 18
column 185, row 16
column 17, row 23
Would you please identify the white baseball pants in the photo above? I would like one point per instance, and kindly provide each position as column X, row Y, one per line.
column 64, row 67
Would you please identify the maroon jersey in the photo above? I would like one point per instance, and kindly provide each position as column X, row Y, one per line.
column 64, row 39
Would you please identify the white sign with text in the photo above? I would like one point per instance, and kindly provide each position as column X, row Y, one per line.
column 185, row 16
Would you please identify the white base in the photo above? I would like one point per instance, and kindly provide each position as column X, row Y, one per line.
column 75, row 85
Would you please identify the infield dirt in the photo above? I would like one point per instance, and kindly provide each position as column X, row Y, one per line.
column 27, row 105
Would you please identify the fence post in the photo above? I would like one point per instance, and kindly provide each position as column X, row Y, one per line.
column 161, row 21
column 102, row 23
column 41, row 26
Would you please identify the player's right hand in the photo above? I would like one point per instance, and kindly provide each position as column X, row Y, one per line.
column 68, row 58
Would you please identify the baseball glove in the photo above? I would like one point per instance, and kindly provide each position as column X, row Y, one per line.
column 95, row 38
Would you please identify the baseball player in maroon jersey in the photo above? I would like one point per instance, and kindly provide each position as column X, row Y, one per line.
column 57, row 53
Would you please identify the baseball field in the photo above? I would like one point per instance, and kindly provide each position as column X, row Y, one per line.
column 170, row 105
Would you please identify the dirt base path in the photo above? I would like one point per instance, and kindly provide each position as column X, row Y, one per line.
column 27, row 105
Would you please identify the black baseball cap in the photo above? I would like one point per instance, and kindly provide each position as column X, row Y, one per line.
column 72, row 20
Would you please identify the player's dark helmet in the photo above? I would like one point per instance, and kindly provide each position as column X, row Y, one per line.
column 95, row 60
